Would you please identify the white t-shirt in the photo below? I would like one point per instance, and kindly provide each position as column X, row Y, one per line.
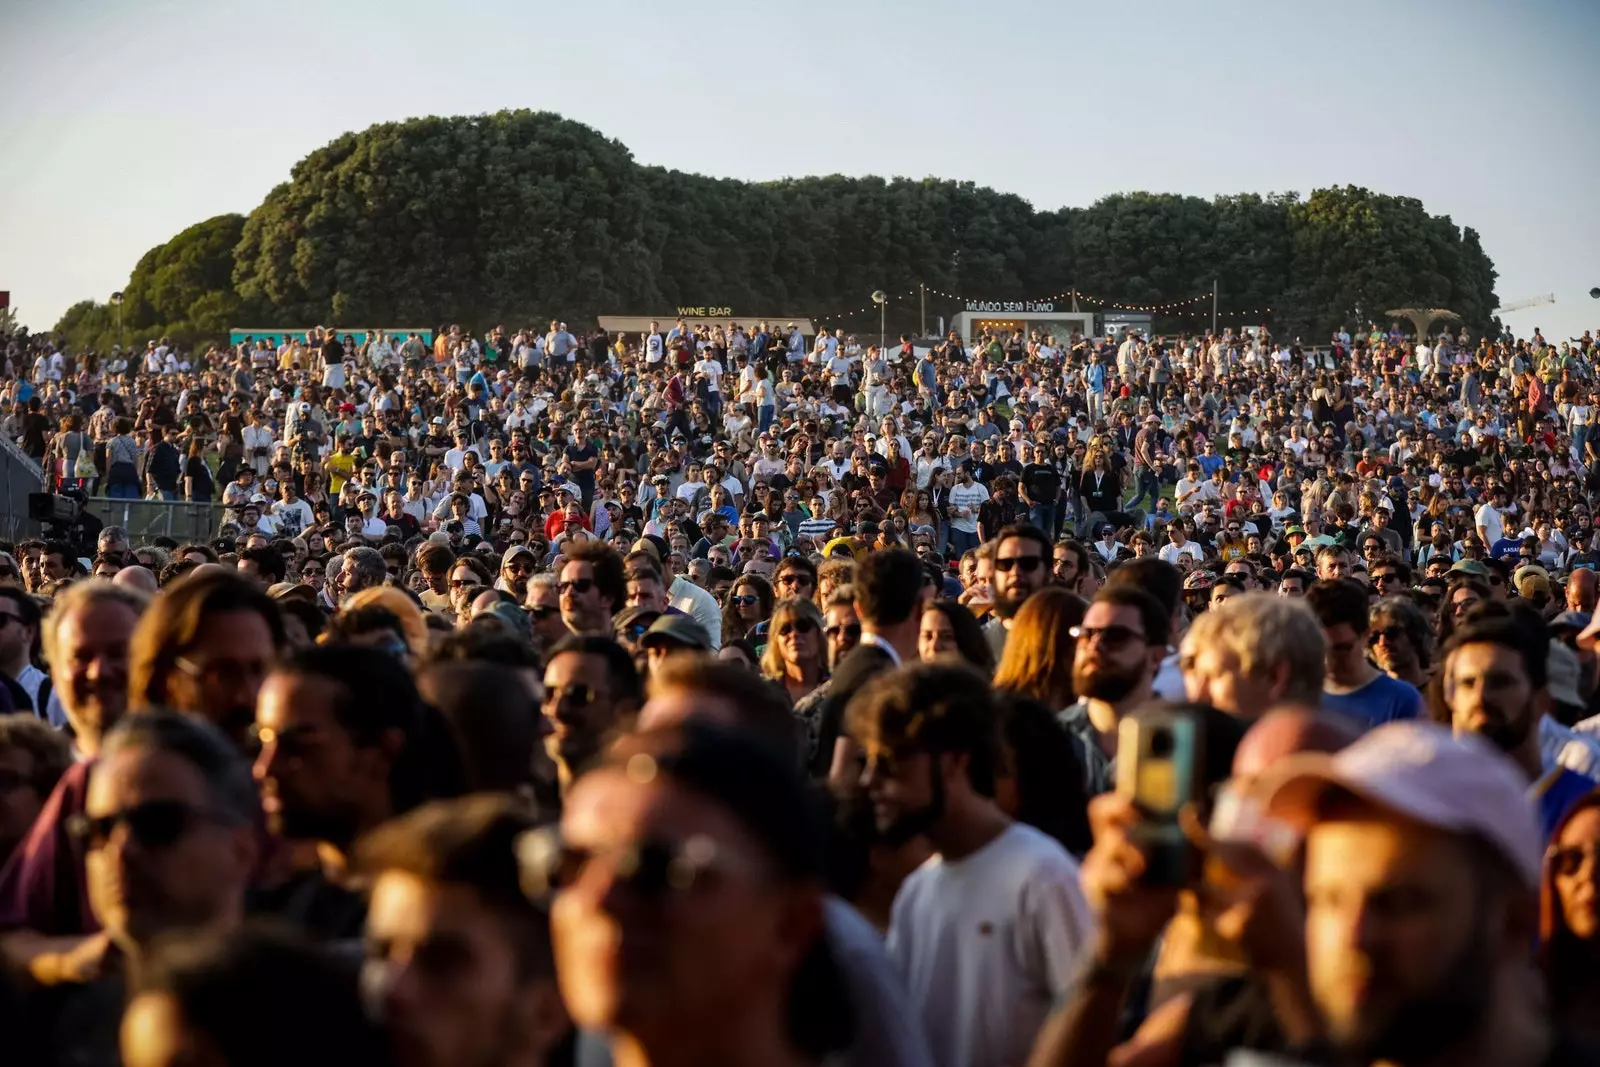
column 989, row 944
column 1494, row 526
column 713, row 373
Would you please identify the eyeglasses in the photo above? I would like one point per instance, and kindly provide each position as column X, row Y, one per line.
column 153, row 824
column 577, row 587
column 1027, row 564
column 1110, row 636
column 654, row 868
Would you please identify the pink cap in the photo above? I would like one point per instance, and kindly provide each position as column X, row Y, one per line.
column 1423, row 772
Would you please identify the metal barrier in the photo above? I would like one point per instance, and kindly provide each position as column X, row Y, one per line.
column 19, row 476
column 148, row 519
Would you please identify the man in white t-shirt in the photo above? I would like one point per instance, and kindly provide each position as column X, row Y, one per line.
column 988, row 934
column 1490, row 519
column 655, row 345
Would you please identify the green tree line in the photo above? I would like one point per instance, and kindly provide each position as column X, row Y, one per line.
column 518, row 217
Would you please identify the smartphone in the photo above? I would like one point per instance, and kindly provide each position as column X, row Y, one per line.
column 1159, row 768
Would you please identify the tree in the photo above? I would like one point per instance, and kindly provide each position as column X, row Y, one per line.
column 518, row 217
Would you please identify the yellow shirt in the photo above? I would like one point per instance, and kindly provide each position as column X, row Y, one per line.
column 340, row 466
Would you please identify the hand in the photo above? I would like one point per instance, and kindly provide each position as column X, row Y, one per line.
column 1251, row 901
column 1132, row 915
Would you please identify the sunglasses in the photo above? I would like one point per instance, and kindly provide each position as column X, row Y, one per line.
column 1028, row 564
column 851, row 631
column 744, row 601
column 798, row 626
column 1111, row 636
column 1392, row 634
column 153, row 824
column 1569, row 861
column 578, row 586
column 540, row 614
column 653, row 868
column 577, row 695
column 464, row 583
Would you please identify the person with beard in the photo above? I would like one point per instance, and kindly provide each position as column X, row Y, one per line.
column 1119, row 648
column 1496, row 685
column 1409, row 813
column 346, row 743
column 203, row 648
column 989, row 932
column 1022, row 560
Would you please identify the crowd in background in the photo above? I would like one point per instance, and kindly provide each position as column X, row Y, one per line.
column 723, row 695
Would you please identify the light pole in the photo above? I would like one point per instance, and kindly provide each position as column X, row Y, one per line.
column 881, row 298
column 116, row 302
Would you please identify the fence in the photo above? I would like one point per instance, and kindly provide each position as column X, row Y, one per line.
column 19, row 476
column 147, row 519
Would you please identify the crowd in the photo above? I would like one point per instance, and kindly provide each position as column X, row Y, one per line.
column 724, row 696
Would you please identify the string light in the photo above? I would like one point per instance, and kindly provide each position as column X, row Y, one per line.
column 1184, row 307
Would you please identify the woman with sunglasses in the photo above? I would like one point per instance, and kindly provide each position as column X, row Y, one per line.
column 795, row 657
column 746, row 608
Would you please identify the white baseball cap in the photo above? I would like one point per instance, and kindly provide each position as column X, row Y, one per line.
column 1424, row 772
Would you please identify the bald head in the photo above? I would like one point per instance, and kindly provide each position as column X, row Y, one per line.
column 1581, row 588
column 211, row 568
column 138, row 578
column 1286, row 730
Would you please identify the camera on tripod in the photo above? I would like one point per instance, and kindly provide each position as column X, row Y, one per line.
column 65, row 517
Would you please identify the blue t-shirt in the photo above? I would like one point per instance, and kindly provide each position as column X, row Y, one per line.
column 1557, row 791
column 1506, row 546
column 1210, row 464
column 1384, row 699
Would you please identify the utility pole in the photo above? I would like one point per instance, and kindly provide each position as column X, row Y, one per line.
column 1213, row 306
column 924, row 287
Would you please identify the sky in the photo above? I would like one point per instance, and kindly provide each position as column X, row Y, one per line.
column 126, row 122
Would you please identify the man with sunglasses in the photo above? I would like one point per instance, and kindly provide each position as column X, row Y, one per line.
column 1352, row 686
column 592, row 586
column 590, row 687
column 1022, row 559
column 516, row 568
column 169, row 838
column 1119, row 649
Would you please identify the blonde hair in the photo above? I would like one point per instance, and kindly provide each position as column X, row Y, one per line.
column 772, row 665
column 1264, row 631
column 401, row 607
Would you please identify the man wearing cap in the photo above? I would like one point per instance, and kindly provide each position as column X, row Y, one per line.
column 1147, row 475
column 1408, row 813
column 670, row 635
column 516, row 567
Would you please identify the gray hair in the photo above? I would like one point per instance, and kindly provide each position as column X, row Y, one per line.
column 366, row 562
column 228, row 782
column 543, row 578
column 113, row 533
